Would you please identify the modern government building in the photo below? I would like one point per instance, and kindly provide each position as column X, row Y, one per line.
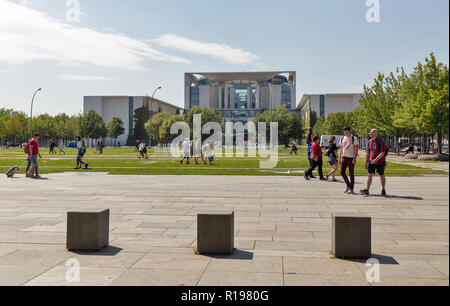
column 239, row 96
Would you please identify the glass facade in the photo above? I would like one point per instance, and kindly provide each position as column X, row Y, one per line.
column 286, row 96
column 195, row 96
column 322, row 105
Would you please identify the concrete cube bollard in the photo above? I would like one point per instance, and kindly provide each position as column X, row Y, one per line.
column 215, row 233
column 351, row 236
column 87, row 231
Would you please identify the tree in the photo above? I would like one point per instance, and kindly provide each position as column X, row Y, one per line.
column 141, row 116
column 319, row 127
column 313, row 120
column 91, row 125
column 435, row 116
column 289, row 124
column 164, row 131
column 45, row 125
column 156, row 123
column 208, row 115
column 15, row 126
column 115, row 128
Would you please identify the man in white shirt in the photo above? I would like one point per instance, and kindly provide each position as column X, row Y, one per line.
column 348, row 157
column 186, row 152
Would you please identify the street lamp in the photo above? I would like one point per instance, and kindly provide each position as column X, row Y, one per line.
column 31, row 115
column 151, row 114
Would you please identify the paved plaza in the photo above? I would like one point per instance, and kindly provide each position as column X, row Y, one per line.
column 282, row 230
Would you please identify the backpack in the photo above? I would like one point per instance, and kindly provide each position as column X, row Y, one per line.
column 26, row 149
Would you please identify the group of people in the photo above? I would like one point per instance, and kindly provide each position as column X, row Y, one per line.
column 141, row 147
column 33, row 155
column 347, row 158
column 195, row 150
column 52, row 144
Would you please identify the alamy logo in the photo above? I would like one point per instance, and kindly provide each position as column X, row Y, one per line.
column 73, row 273
column 73, row 11
column 373, row 13
column 240, row 140
column 373, row 273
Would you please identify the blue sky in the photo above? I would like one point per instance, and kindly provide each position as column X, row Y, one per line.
column 131, row 47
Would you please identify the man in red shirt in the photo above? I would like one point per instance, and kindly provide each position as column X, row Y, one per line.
column 317, row 160
column 375, row 161
column 33, row 153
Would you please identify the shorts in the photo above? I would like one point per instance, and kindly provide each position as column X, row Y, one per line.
column 377, row 168
column 332, row 160
column 34, row 159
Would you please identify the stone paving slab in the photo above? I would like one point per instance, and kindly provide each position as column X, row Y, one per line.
column 282, row 231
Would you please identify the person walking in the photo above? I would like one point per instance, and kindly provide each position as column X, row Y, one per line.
column 198, row 150
column 208, row 156
column 61, row 147
column 348, row 156
column 375, row 162
column 317, row 159
column 309, row 142
column 33, row 154
column 294, row 148
column 81, row 150
column 332, row 158
column 186, row 153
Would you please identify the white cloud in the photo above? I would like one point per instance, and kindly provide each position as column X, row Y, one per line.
column 76, row 77
column 29, row 35
column 216, row 50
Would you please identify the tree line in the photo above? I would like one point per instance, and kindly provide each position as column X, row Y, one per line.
column 15, row 126
column 414, row 105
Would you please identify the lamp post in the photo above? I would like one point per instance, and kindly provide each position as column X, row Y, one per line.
column 151, row 114
column 31, row 115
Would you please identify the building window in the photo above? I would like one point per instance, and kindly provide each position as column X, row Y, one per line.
column 195, row 96
column 286, row 96
column 322, row 106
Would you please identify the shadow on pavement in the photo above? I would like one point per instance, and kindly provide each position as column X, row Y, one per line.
column 107, row 251
column 236, row 255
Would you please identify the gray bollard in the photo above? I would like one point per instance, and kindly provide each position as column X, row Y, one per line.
column 87, row 231
column 351, row 236
column 215, row 233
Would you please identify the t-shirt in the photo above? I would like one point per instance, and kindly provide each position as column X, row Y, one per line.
column 185, row 146
column 331, row 149
column 79, row 144
column 348, row 144
column 316, row 150
column 207, row 150
column 374, row 149
column 35, row 150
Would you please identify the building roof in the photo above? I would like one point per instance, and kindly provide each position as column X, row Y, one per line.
column 144, row 97
column 223, row 77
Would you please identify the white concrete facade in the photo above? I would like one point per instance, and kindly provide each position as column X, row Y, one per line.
column 326, row 104
column 124, row 107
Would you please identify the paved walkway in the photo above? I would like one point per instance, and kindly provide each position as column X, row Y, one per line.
column 282, row 230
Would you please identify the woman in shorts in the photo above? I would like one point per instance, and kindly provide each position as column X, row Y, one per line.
column 332, row 158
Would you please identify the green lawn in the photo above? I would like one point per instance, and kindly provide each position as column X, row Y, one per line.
column 125, row 161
